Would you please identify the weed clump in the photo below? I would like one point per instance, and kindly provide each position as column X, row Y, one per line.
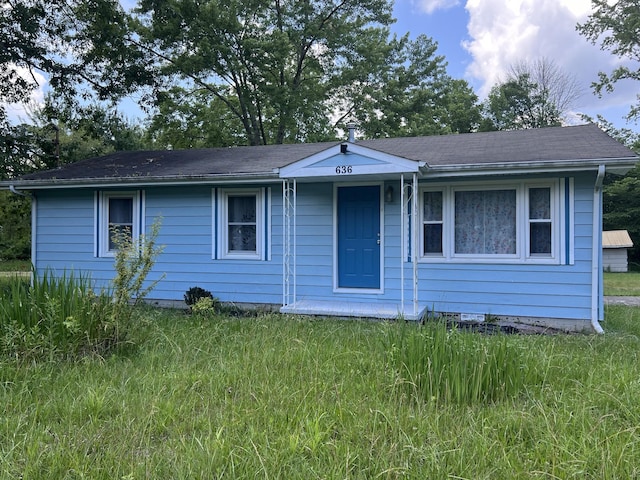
column 448, row 365
column 61, row 316
column 57, row 316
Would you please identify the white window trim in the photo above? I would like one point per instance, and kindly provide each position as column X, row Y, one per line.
column 556, row 226
column 522, row 223
column 103, row 216
column 223, row 219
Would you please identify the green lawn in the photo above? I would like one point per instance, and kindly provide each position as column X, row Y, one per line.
column 295, row 398
column 15, row 266
column 625, row 284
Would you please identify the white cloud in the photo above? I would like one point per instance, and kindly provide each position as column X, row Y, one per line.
column 504, row 32
column 430, row 6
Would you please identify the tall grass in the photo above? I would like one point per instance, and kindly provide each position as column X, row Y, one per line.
column 61, row 315
column 296, row 398
column 57, row 316
column 437, row 363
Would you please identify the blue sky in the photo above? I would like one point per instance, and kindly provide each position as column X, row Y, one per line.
column 481, row 39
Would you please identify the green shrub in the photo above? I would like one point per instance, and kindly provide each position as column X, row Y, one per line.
column 194, row 294
column 436, row 363
column 133, row 262
column 201, row 302
column 205, row 307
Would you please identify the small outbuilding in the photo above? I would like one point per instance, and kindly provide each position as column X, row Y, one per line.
column 615, row 244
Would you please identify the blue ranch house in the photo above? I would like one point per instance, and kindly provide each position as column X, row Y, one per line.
column 506, row 224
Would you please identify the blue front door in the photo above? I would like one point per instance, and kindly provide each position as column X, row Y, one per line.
column 358, row 237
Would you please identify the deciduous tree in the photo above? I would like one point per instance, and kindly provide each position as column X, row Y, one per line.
column 616, row 26
column 536, row 94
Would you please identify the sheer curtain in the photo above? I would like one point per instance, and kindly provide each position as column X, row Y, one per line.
column 485, row 222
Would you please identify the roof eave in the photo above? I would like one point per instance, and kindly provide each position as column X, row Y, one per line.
column 614, row 165
column 146, row 181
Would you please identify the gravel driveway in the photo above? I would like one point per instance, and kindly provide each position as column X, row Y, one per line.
column 629, row 301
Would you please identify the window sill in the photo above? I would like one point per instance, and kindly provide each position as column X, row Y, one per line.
column 489, row 261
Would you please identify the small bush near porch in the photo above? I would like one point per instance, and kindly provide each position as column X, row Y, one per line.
column 281, row 397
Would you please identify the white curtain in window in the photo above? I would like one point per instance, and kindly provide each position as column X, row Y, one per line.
column 485, row 222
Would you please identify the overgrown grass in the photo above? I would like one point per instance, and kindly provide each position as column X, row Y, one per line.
column 56, row 317
column 448, row 365
column 15, row 266
column 624, row 284
column 296, row 398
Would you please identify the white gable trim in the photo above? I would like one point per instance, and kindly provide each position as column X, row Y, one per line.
column 349, row 159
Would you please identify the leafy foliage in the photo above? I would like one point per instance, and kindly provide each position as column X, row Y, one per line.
column 535, row 95
column 621, row 193
column 51, row 37
column 134, row 260
column 194, row 294
column 15, row 226
column 621, row 206
column 248, row 72
column 616, row 25
column 409, row 93
column 61, row 315
column 27, row 28
column 76, row 134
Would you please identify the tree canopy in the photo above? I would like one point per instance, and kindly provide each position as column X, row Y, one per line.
column 255, row 72
column 536, row 94
column 616, row 25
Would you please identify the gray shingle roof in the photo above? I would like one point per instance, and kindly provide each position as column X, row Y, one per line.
column 535, row 145
column 559, row 144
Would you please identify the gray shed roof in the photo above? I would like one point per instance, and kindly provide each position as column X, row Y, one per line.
column 577, row 145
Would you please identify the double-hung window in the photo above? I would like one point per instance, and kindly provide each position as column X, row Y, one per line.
column 241, row 227
column 432, row 222
column 499, row 222
column 540, row 238
column 119, row 217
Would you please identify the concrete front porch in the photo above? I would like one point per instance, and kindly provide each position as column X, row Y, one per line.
column 355, row 309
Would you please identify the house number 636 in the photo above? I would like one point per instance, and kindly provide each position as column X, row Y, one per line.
column 344, row 169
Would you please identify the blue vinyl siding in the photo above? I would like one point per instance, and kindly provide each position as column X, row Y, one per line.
column 555, row 291
column 188, row 236
column 64, row 230
column 65, row 239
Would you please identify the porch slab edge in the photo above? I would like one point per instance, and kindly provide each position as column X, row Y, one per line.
column 355, row 309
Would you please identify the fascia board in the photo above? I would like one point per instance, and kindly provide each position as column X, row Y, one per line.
column 139, row 182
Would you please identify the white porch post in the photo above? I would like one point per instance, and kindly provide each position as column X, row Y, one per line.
column 410, row 237
column 289, row 203
column 414, row 241
column 403, row 242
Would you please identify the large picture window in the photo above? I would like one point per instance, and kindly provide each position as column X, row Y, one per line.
column 119, row 214
column 485, row 222
column 499, row 222
column 242, row 223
